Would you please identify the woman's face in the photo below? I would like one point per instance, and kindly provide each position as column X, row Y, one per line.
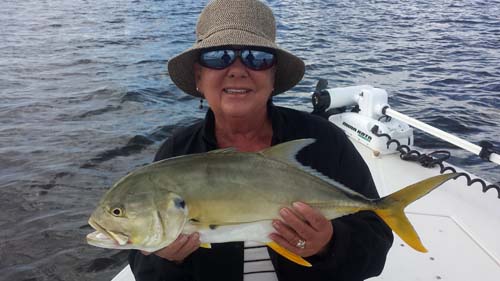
column 235, row 91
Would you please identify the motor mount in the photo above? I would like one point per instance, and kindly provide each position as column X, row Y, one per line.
column 369, row 103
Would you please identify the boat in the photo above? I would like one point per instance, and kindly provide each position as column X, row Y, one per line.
column 459, row 222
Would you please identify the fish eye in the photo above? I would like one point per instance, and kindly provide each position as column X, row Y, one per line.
column 117, row 212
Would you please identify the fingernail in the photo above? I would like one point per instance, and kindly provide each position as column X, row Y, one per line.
column 298, row 204
column 196, row 236
column 276, row 224
column 284, row 212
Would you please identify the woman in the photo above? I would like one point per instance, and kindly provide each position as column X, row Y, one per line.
column 237, row 67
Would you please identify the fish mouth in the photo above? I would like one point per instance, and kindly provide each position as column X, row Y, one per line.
column 105, row 238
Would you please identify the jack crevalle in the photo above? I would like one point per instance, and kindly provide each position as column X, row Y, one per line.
column 227, row 196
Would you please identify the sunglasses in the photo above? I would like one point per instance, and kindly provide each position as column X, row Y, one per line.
column 255, row 59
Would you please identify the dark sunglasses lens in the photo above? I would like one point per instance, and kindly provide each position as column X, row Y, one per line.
column 217, row 59
column 257, row 60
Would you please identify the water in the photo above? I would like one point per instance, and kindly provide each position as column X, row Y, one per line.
column 85, row 98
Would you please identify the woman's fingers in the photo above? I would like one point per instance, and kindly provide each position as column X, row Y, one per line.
column 285, row 238
column 301, row 227
column 192, row 243
column 313, row 217
column 304, row 230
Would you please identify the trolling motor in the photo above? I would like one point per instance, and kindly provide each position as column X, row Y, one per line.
column 366, row 121
column 372, row 118
column 321, row 99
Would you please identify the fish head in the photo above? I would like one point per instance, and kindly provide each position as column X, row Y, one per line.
column 135, row 214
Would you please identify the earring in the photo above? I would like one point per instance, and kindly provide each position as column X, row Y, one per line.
column 201, row 100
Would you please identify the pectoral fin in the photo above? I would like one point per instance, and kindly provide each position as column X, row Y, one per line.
column 288, row 255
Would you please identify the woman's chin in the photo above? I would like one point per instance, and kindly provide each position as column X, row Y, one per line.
column 238, row 111
column 241, row 106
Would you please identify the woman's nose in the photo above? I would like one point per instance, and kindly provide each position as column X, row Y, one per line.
column 237, row 69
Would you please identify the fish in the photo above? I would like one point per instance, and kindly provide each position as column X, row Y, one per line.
column 227, row 195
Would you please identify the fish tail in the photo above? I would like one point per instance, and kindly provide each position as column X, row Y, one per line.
column 391, row 208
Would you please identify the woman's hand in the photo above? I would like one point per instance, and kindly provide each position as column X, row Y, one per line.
column 304, row 230
column 178, row 250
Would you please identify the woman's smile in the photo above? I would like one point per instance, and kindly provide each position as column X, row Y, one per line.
column 236, row 91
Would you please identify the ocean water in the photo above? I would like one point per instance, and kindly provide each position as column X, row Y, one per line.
column 85, row 98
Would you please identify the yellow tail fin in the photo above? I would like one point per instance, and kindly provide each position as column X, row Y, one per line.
column 390, row 208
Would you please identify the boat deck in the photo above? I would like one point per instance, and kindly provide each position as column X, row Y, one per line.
column 458, row 224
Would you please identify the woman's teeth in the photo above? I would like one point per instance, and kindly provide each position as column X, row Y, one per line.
column 236, row 91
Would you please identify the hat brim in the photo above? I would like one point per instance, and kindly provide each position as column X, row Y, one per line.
column 289, row 68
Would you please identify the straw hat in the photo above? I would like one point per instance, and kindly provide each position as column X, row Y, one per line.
column 240, row 23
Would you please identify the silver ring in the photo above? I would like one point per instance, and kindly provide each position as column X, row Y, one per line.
column 301, row 244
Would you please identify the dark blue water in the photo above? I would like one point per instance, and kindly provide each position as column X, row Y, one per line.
column 85, row 98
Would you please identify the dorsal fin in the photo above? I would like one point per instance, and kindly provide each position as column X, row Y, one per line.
column 287, row 151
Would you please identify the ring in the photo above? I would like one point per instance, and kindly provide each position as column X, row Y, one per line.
column 301, row 244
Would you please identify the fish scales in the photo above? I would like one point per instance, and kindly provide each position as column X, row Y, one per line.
column 243, row 187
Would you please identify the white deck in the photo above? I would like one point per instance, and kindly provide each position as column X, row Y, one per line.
column 459, row 225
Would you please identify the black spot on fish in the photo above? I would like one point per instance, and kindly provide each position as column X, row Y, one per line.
column 194, row 220
column 179, row 203
column 212, row 226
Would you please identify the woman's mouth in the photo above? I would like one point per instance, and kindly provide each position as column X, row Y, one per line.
column 236, row 91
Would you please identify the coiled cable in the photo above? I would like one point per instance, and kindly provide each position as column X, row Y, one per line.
column 432, row 159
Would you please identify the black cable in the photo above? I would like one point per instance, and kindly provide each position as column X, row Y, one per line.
column 434, row 158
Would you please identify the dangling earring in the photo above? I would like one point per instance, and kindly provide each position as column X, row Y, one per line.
column 201, row 100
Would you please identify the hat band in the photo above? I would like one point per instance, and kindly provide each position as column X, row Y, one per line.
column 244, row 28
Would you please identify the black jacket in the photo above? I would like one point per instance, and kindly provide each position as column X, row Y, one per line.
column 360, row 241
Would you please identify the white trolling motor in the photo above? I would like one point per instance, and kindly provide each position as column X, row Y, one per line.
column 372, row 122
column 366, row 122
